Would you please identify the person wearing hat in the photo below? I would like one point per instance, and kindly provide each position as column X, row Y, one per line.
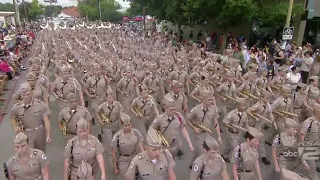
column 260, row 114
column 154, row 83
column 32, row 117
column 196, row 74
column 310, row 131
column 83, row 147
column 64, row 86
column 181, row 75
column 95, row 88
column 153, row 163
column 206, row 115
column 39, row 92
column 311, row 93
column 178, row 96
column 283, row 143
column 128, row 88
column 27, row 163
column 236, row 117
column 262, row 82
column 204, row 84
column 249, row 87
column 170, row 124
column 278, row 81
column 209, row 165
column 126, row 143
column 306, row 65
column 110, row 111
column 245, row 163
column 147, row 108
column 71, row 115
column 84, row 171
column 298, row 98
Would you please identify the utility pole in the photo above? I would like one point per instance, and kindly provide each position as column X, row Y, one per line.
column 16, row 15
column 99, row 5
column 51, row 10
column 25, row 10
column 289, row 13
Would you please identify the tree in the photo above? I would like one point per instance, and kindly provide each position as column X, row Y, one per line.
column 54, row 10
column 6, row 7
column 35, row 10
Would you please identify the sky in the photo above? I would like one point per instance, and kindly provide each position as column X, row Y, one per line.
column 69, row 2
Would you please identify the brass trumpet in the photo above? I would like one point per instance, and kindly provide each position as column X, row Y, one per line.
column 250, row 95
column 105, row 119
column 64, row 128
column 233, row 126
column 201, row 127
column 164, row 140
column 138, row 111
column 287, row 113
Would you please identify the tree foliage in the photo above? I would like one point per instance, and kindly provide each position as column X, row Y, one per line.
column 109, row 10
column 35, row 10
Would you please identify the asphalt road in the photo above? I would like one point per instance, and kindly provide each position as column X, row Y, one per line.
column 55, row 149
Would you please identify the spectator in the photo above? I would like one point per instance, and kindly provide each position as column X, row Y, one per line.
column 4, row 67
column 306, row 64
column 293, row 77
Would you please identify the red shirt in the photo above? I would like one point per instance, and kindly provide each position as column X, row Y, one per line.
column 4, row 67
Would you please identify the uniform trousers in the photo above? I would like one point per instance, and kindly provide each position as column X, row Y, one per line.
column 37, row 138
column 232, row 142
column 108, row 131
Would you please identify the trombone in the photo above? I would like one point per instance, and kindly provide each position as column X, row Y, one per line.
column 283, row 113
column 233, row 126
column 250, row 95
column 265, row 119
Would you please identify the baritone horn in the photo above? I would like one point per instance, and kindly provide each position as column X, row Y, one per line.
column 138, row 111
column 104, row 119
column 233, row 126
column 163, row 139
column 286, row 113
column 250, row 95
column 201, row 127
column 64, row 128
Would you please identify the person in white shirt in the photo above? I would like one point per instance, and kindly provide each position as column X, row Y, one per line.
column 306, row 64
column 293, row 77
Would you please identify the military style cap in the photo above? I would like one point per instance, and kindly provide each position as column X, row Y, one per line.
column 252, row 65
column 209, row 66
column 144, row 88
column 169, row 102
column 302, row 85
column 176, row 83
column 316, row 78
column 129, row 68
column 25, row 88
column 212, row 143
column 153, row 138
column 316, row 107
column 206, row 94
column 286, row 89
column 290, row 175
column 125, row 118
column 30, row 76
column 202, row 63
column 96, row 66
column 110, row 92
column 282, row 68
column 205, row 74
column 266, row 93
column 291, row 123
column 254, row 132
column 84, row 171
column 71, row 96
column 64, row 69
column 20, row 138
column 82, row 124
column 241, row 100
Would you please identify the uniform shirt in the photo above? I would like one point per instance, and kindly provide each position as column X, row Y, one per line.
column 197, row 91
column 236, row 118
column 209, row 172
column 39, row 92
column 277, row 81
column 195, row 77
column 180, row 99
column 147, row 169
column 247, row 86
column 206, row 117
column 163, row 73
column 127, row 86
column 153, row 82
column 87, row 153
column 114, row 73
column 281, row 104
column 247, row 157
column 97, row 85
column 42, row 80
column 312, row 92
column 297, row 99
column 180, row 76
column 127, row 145
column 284, row 143
column 65, row 88
column 30, row 170
column 310, row 128
column 145, row 105
column 262, row 83
column 227, row 89
column 170, row 127
column 32, row 115
column 73, row 116
column 112, row 111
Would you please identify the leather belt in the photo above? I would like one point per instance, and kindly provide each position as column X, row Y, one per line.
column 242, row 170
column 73, row 133
column 33, row 129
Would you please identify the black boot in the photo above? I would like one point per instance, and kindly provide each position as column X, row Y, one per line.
column 266, row 161
column 227, row 160
column 179, row 153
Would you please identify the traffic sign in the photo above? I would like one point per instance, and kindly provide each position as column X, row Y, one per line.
column 287, row 33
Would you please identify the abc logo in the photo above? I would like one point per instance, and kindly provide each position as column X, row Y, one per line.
column 290, row 154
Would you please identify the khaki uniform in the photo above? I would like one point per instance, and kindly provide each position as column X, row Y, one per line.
column 246, row 159
column 250, row 88
column 32, row 116
column 79, row 154
column 312, row 94
column 128, row 87
column 206, row 117
column 39, row 92
column 30, row 170
column 113, row 112
column 147, row 169
column 181, row 76
column 225, row 105
column 154, row 83
column 179, row 99
column 62, row 89
column 99, row 87
column 277, row 81
column 147, row 106
column 72, row 117
column 115, row 75
column 170, row 127
column 42, row 80
column 209, row 171
column 310, row 128
column 236, row 118
column 297, row 104
column 127, row 147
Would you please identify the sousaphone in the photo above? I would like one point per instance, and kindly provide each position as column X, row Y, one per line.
column 44, row 26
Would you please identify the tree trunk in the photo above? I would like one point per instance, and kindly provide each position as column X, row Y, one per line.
column 224, row 41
